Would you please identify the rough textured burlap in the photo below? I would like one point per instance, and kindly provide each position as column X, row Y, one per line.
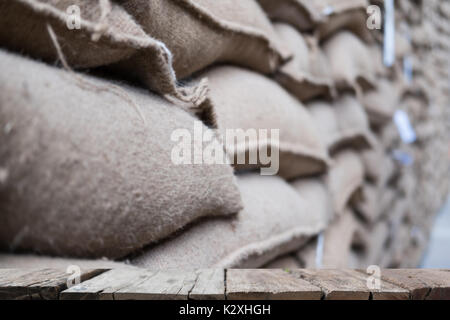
column 353, row 124
column 345, row 176
column 324, row 117
column 338, row 241
column 381, row 103
column 351, row 69
column 202, row 32
column 85, row 175
column 342, row 124
column 374, row 239
column 29, row 261
column 307, row 255
column 374, row 202
column 306, row 75
column 275, row 220
column 107, row 35
column 242, row 99
column 325, row 16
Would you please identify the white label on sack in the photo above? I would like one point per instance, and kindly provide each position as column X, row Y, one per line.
column 404, row 127
column 319, row 251
column 328, row 10
column 403, row 157
column 389, row 33
column 407, row 69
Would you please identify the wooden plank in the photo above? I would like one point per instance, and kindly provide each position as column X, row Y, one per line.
column 36, row 284
column 422, row 284
column 336, row 284
column 209, row 285
column 387, row 291
column 105, row 285
column 268, row 285
column 158, row 285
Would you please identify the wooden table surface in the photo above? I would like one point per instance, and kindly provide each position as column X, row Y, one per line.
column 231, row 284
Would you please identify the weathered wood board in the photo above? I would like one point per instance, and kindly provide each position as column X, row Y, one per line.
column 260, row 284
column 32, row 284
column 232, row 284
column 141, row 284
column 422, row 284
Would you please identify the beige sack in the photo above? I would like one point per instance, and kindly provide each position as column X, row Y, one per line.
column 245, row 100
column 381, row 104
column 307, row 74
column 375, row 202
column 350, row 62
column 338, row 239
column 345, row 177
column 85, row 176
column 353, row 124
column 325, row 16
column 275, row 221
column 342, row 124
column 202, row 32
column 107, row 36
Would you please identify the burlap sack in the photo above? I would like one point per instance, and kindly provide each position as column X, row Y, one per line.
column 275, row 221
column 353, row 124
column 306, row 75
column 343, row 124
column 375, row 202
column 344, row 178
column 324, row 117
column 375, row 239
column 325, row 16
column 307, row 255
column 107, row 36
column 245, row 100
column 338, row 242
column 350, row 62
column 202, row 32
column 89, row 167
column 380, row 104
column 29, row 261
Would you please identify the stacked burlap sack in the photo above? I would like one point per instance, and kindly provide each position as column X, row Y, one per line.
column 91, row 119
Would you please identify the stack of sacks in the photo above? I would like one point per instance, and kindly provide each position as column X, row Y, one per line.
column 107, row 165
column 87, row 164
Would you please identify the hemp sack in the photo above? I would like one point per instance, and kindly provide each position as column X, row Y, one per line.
column 325, row 17
column 307, row 74
column 350, row 62
column 200, row 33
column 275, row 220
column 242, row 99
column 88, row 175
column 108, row 36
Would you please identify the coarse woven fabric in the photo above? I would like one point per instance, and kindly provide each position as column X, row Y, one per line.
column 275, row 220
column 343, row 124
column 338, row 239
column 381, row 103
column 325, row 17
column 351, row 69
column 202, row 32
column 307, row 75
column 243, row 99
column 344, row 178
column 108, row 35
column 88, row 175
